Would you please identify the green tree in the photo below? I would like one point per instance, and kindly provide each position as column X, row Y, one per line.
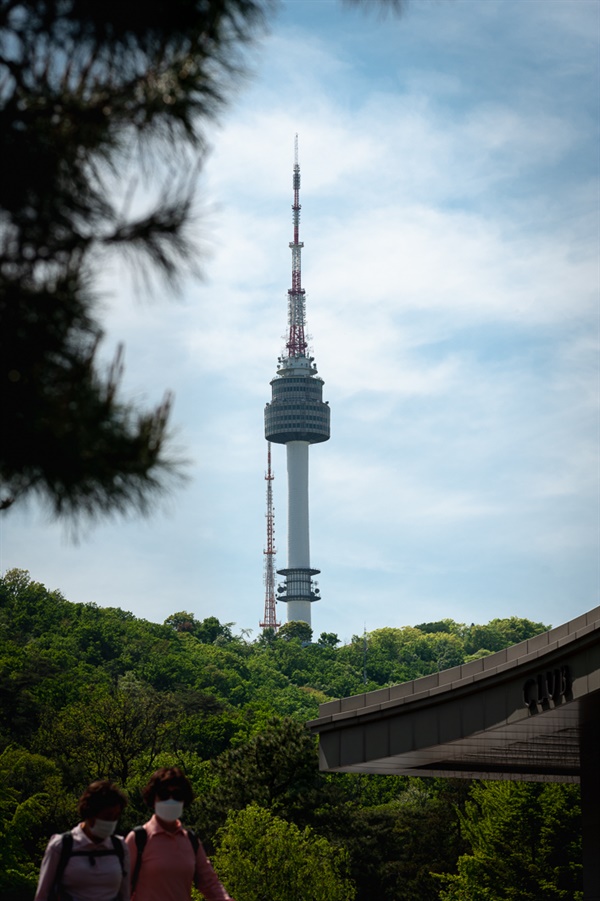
column 33, row 804
column 442, row 625
column 262, row 856
column 277, row 769
column 111, row 734
column 211, row 631
column 329, row 639
column 500, row 633
column 396, row 830
column 525, row 841
column 181, row 622
column 398, row 655
column 298, row 630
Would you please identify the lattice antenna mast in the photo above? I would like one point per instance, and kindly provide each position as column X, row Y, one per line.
column 296, row 343
column 270, row 617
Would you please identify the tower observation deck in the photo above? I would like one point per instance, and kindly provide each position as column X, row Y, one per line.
column 297, row 416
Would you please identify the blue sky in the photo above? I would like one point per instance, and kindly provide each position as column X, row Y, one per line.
column 450, row 216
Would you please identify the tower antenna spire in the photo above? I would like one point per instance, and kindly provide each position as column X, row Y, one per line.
column 270, row 617
column 296, row 342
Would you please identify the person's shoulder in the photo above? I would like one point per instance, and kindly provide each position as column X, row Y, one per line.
column 79, row 836
column 193, row 839
column 55, row 841
column 118, row 843
column 132, row 837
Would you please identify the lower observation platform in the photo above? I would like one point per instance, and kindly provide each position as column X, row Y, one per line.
column 298, row 585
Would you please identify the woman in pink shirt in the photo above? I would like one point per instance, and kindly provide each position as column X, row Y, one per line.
column 165, row 858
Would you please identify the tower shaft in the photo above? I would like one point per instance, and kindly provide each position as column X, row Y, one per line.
column 300, row 592
column 298, row 526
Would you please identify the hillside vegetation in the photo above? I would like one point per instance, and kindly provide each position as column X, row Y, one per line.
column 89, row 692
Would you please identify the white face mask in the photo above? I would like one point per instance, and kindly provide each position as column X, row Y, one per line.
column 169, row 810
column 103, row 828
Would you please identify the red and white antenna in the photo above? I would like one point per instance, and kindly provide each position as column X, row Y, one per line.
column 296, row 343
column 270, row 617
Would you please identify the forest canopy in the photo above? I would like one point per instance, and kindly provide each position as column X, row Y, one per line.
column 89, row 692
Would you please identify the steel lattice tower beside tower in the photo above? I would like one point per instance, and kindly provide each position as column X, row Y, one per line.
column 270, row 617
column 297, row 416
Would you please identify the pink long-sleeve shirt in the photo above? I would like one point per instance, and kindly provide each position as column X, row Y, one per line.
column 168, row 865
column 105, row 880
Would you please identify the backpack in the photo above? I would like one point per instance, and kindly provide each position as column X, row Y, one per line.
column 66, row 851
column 141, row 837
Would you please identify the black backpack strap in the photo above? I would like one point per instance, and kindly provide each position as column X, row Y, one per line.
column 93, row 853
column 195, row 841
column 66, row 848
column 141, row 837
column 118, row 845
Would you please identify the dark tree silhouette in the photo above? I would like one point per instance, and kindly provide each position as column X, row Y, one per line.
column 94, row 95
column 89, row 91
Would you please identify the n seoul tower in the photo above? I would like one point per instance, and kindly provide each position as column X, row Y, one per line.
column 297, row 417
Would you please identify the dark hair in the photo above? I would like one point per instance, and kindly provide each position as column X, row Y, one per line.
column 168, row 777
column 99, row 795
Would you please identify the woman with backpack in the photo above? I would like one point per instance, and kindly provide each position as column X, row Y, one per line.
column 167, row 859
column 89, row 863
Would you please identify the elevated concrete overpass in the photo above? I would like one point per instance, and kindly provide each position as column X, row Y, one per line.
column 530, row 712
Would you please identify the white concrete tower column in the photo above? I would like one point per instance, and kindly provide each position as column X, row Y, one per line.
column 298, row 528
column 298, row 522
